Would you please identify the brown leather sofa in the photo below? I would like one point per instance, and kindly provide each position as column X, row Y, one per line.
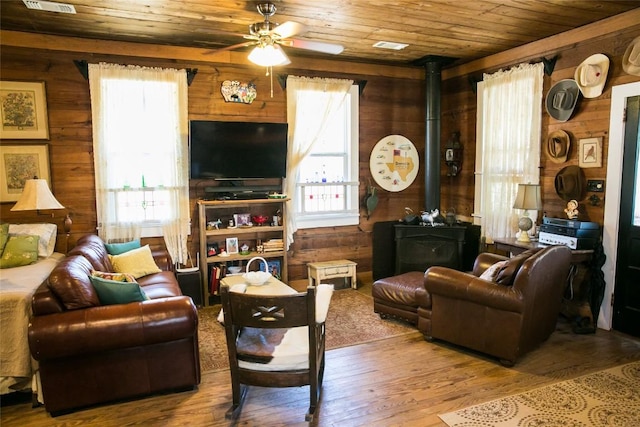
column 505, row 318
column 90, row 353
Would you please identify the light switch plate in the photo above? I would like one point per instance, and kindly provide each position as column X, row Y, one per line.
column 595, row 185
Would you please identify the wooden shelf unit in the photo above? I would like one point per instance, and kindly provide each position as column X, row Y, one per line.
column 212, row 210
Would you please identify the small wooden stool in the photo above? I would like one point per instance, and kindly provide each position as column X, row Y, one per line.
column 332, row 269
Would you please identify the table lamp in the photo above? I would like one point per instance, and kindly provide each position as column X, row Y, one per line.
column 528, row 198
column 37, row 196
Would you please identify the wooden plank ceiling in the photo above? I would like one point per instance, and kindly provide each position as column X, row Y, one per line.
column 462, row 29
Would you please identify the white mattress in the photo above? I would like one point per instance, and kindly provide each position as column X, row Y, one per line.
column 17, row 286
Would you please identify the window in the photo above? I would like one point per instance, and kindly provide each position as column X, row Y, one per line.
column 140, row 150
column 327, row 183
column 508, row 147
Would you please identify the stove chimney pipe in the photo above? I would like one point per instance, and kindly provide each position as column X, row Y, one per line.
column 433, row 66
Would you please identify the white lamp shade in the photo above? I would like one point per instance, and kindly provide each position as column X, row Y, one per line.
column 528, row 197
column 36, row 196
column 269, row 56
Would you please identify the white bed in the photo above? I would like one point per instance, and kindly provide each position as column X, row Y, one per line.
column 17, row 286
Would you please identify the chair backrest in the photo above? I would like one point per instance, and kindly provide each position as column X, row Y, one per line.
column 268, row 311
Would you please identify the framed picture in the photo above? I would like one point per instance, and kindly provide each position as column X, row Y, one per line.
column 590, row 154
column 19, row 163
column 242, row 219
column 273, row 266
column 23, row 109
column 232, row 245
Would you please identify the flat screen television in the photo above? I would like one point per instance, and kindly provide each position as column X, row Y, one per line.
column 237, row 150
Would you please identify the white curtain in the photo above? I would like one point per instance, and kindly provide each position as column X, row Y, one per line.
column 140, row 142
column 307, row 117
column 512, row 111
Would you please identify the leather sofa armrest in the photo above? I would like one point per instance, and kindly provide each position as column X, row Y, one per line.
column 111, row 327
column 162, row 259
column 458, row 285
column 486, row 260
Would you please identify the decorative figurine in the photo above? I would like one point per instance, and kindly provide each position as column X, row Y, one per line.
column 572, row 209
column 429, row 217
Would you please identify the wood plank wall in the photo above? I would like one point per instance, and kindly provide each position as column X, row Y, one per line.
column 590, row 117
column 388, row 105
column 392, row 103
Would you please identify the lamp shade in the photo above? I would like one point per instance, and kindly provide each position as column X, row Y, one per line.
column 268, row 56
column 528, row 197
column 36, row 196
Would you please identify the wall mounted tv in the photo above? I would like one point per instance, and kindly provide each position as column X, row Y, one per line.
column 237, row 150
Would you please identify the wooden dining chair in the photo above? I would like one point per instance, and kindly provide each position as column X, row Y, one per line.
column 257, row 325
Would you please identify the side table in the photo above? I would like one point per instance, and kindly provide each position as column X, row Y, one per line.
column 332, row 269
column 577, row 302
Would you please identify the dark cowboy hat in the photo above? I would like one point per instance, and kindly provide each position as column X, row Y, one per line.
column 557, row 146
column 561, row 99
column 571, row 183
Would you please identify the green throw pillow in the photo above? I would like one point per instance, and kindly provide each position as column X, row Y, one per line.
column 115, row 292
column 120, row 248
column 4, row 236
column 19, row 250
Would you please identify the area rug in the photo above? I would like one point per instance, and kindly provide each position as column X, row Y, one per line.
column 605, row 398
column 350, row 321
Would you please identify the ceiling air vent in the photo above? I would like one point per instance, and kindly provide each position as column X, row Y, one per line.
column 49, row 6
column 390, row 45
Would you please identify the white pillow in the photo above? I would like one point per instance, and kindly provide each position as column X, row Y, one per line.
column 491, row 273
column 47, row 233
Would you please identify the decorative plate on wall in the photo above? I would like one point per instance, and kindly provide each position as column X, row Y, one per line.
column 394, row 163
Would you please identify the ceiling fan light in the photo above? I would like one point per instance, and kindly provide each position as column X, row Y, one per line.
column 269, row 56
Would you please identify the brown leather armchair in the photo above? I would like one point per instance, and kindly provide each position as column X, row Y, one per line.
column 503, row 320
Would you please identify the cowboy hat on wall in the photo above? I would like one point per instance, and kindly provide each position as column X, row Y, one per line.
column 591, row 75
column 561, row 99
column 557, row 147
column 631, row 58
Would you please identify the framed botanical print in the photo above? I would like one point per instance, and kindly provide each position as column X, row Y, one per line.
column 19, row 163
column 23, row 110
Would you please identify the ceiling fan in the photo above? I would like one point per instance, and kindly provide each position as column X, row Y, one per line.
column 267, row 36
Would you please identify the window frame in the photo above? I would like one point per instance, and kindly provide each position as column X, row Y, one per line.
column 351, row 215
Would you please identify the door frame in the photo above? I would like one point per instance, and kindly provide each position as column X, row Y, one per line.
column 613, row 187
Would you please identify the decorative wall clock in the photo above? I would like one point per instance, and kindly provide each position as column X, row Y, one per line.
column 394, row 163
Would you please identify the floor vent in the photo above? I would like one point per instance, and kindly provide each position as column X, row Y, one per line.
column 49, row 6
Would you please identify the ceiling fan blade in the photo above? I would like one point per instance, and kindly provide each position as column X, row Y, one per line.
column 331, row 48
column 289, row 29
column 235, row 46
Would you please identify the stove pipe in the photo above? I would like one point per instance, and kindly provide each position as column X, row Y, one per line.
column 433, row 66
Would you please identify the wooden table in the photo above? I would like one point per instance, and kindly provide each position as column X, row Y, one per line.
column 332, row 269
column 576, row 303
column 272, row 287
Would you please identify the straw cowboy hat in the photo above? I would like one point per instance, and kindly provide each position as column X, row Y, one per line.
column 557, row 146
column 591, row 75
column 561, row 99
column 571, row 183
column 631, row 58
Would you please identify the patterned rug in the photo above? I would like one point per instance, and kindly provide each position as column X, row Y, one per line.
column 350, row 321
column 605, row 398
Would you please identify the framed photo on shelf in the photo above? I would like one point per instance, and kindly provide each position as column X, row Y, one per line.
column 273, row 266
column 590, row 153
column 242, row 219
column 23, row 110
column 212, row 249
column 232, row 245
column 19, row 163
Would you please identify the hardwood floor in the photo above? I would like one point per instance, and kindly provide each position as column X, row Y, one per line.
column 401, row 381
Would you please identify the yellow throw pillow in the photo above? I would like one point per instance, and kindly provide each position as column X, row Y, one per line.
column 138, row 262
